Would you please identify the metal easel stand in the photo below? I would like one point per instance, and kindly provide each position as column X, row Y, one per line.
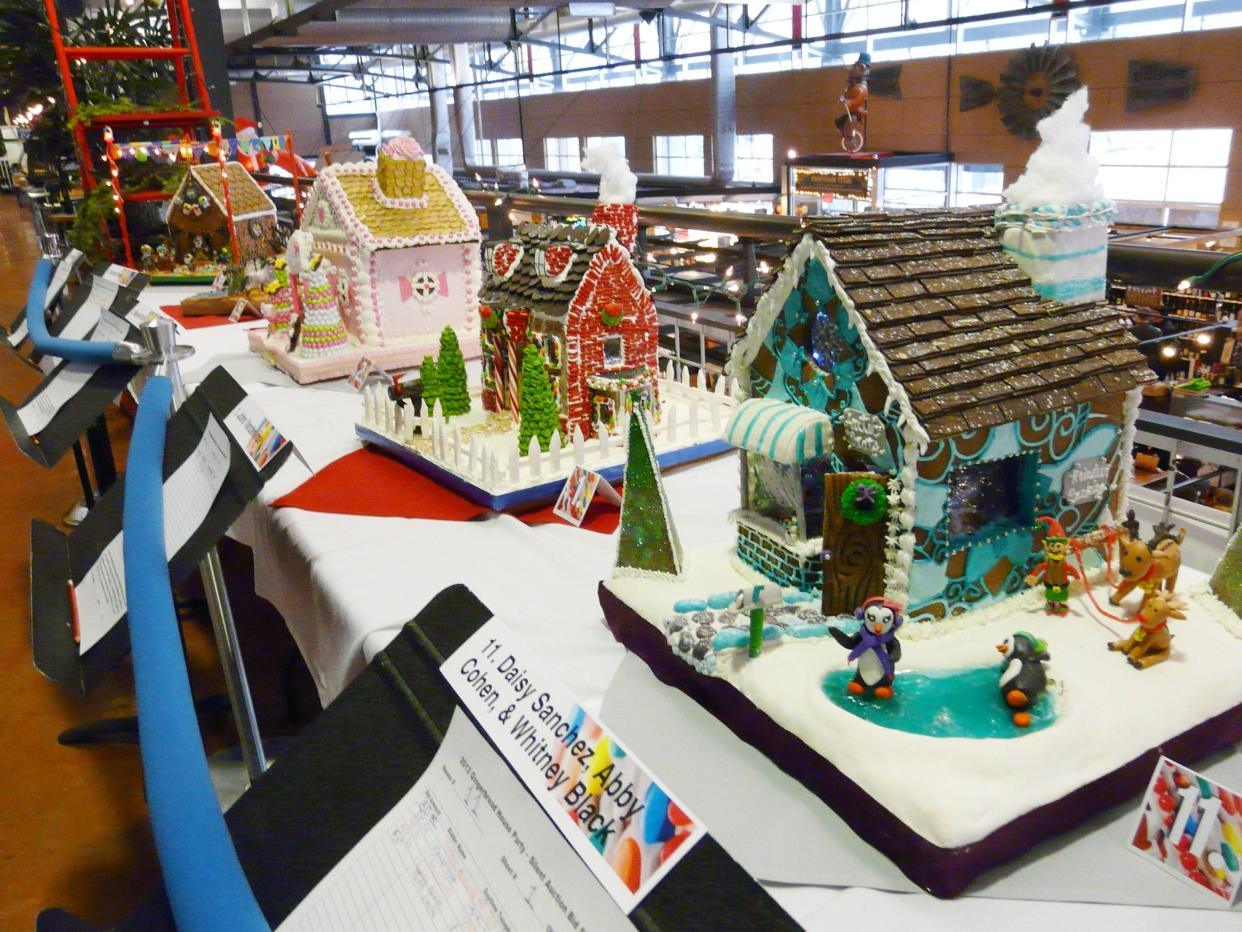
column 161, row 358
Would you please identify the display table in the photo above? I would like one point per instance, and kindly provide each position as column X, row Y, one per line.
column 345, row 586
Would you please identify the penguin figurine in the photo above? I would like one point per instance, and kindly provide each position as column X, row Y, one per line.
column 1023, row 677
column 875, row 648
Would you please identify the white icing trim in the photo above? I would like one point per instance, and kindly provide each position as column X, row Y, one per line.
column 399, row 203
column 358, row 231
column 197, row 169
column 513, row 266
column 760, row 324
column 541, row 265
column 1125, row 447
column 1218, row 611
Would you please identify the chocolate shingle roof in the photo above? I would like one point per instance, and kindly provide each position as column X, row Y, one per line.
column 963, row 332
column 525, row 288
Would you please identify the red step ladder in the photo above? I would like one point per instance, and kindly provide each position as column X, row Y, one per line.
column 180, row 28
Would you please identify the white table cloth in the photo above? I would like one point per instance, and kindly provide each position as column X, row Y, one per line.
column 346, row 584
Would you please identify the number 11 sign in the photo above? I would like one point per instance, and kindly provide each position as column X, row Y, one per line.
column 1191, row 827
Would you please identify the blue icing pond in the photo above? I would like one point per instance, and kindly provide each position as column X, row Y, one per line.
column 948, row 704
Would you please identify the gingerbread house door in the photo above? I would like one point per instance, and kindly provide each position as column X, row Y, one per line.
column 855, row 522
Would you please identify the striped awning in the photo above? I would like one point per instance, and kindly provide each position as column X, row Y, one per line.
column 779, row 430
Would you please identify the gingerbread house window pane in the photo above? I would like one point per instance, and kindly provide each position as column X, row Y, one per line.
column 986, row 499
column 614, row 351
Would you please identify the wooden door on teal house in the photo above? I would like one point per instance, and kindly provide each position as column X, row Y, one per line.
column 855, row 509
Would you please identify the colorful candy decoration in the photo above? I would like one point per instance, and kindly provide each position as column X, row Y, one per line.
column 1202, row 831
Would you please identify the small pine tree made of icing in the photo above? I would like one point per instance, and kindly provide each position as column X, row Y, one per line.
column 431, row 384
column 451, row 376
column 537, row 416
column 648, row 540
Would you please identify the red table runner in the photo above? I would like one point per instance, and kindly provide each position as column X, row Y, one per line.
column 371, row 484
column 194, row 323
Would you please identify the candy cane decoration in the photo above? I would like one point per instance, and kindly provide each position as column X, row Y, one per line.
column 222, row 161
column 110, row 151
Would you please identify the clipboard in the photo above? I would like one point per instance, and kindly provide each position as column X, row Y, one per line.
column 57, row 557
column 363, row 753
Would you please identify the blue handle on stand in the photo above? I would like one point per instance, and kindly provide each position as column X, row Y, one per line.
column 36, row 322
column 206, row 886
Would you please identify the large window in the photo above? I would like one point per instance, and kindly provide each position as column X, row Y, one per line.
column 753, row 158
column 560, row 153
column 509, row 153
column 916, row 187
column 618, row 141
column 975, row 184
column 483, row 154
column 679, row 155
column 1154, row 171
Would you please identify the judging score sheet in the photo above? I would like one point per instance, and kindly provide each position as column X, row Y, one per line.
column 466, row 849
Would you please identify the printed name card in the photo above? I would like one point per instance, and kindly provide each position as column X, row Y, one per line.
column 626, row 827
column 1191, row 827
column 579, row 491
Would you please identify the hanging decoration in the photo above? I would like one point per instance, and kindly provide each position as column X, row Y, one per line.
column 1034, row 85
column 864, row 502
column 185, row 149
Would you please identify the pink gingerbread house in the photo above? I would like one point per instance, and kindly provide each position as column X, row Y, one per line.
column 406, row 241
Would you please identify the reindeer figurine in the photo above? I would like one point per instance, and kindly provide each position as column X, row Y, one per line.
column 1151, row 642
column 1148, row 565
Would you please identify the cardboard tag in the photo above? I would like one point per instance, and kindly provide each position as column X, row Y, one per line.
column 254, row 432
column 217, row 283
column 238, row 309
column 361, row 371
column 579, row 491
column 613, row 811
column 1191, row 827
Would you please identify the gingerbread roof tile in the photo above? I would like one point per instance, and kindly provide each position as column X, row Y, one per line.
column 528, row 285
column 441, row 214
column 246, row 198
column 964, row 336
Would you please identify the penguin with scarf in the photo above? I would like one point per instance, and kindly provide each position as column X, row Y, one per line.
column 874, row 649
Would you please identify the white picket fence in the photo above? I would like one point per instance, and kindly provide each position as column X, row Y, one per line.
column 690, row 415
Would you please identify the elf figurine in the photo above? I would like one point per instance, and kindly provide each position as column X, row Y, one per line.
column 1054, row 571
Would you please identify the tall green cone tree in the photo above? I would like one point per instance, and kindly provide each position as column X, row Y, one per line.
column 451, row 376
column 648, row 543
column 1227, row 577
column 537, row 415
column 431, row 384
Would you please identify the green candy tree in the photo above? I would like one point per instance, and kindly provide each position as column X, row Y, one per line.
column 537, row 415
column 648, row 543
column 451, row 376
column 431, row 384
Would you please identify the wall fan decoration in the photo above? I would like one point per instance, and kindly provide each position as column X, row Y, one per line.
column 974, row 93
column 1152, row 83
column 1034, row 84
column 885, row 81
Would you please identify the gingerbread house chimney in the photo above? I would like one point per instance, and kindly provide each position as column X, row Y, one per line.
column 401, row 171
column 623, row 218
column 618, row 189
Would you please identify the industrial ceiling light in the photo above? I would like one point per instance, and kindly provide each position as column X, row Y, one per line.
column 593, row 8
column 1168, row 351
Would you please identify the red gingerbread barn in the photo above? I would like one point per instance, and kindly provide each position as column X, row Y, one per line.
column 575, row 292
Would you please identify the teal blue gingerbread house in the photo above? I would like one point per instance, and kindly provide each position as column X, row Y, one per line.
column 938, row 383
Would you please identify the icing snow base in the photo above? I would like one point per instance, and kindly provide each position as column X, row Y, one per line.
column 957, row 791
column 405, row 355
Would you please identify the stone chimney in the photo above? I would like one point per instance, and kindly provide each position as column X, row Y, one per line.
column 623, row 218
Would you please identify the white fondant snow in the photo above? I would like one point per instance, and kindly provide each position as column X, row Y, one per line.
column 955, row 791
